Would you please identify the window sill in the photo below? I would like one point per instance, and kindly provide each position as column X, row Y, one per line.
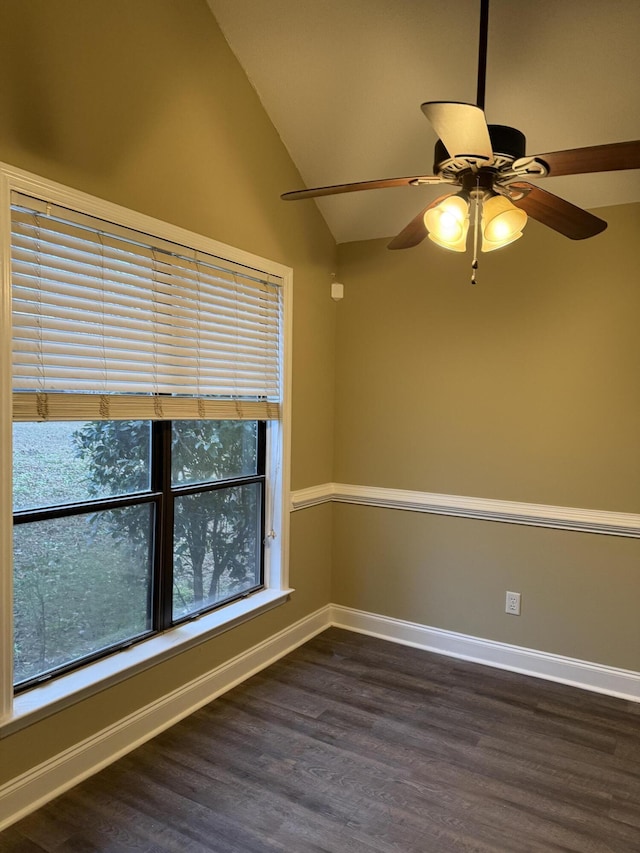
column 60, row 693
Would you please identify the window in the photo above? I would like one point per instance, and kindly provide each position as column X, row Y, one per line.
column 124, row 528
column 149, row 431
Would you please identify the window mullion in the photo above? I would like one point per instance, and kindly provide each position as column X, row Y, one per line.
column 261, row 468
column 163, row 547
column 262, row 447
column 82, row 508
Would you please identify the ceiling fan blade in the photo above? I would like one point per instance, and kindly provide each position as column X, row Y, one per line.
column 416, row 230
column 595, row 158
column 556, row 213
column 462, row 128
column 315, row 192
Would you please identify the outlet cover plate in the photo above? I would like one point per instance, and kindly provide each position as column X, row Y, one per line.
column 512, row 603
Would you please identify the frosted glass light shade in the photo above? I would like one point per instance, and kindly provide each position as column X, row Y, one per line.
column 502, row 223
column 448, row 223
column 488, row 246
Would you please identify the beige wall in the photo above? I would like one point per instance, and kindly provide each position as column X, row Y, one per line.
column 142, row 103
column 522, row 388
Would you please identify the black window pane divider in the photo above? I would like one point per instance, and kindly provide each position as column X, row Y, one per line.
column 160, row 475
column 197, row 488
column 27, row 515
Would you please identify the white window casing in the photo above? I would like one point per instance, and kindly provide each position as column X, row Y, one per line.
column 173, row 325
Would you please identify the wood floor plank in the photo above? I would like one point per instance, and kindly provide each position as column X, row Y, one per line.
column 351, row 744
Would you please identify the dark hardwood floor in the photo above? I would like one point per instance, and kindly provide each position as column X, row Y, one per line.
column 352, row 745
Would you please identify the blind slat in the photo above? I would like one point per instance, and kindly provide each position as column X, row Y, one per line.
column 79, row 316
column 67, row 347
column 104, row 309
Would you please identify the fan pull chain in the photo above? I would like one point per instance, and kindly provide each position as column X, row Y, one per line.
column 476, row 226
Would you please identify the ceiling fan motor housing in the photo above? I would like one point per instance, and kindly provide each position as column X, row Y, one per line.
column 508, row 143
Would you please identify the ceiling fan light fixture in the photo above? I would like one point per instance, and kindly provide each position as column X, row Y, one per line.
column 490, row 165
column 502, row 223
column 448, row 223
column 457, row 246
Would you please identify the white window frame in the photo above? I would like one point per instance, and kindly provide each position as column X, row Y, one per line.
column 65, row 690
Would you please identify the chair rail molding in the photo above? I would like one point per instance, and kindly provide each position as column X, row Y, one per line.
column 486, row 509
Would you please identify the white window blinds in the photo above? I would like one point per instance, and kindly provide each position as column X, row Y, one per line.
column 133, row 326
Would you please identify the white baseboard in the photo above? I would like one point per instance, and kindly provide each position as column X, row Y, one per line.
column 485, row 509
column 621, row 683
column 42, row 783
column 37, row 786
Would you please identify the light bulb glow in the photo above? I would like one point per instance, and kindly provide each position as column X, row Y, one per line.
column 488, row 246
column 501, row 230
column 448, row 223
column 459, row 246
column 449, row 226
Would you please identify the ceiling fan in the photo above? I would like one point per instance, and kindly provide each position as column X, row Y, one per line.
column 488, row 165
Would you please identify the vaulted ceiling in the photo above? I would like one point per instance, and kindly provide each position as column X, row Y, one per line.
column 343, row 80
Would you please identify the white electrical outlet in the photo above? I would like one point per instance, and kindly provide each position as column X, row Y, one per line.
column 512, row 604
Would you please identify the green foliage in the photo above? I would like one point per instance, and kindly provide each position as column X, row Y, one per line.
column 214, row 532
column 82, row 582
column 117, row 456
column 77, row 589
